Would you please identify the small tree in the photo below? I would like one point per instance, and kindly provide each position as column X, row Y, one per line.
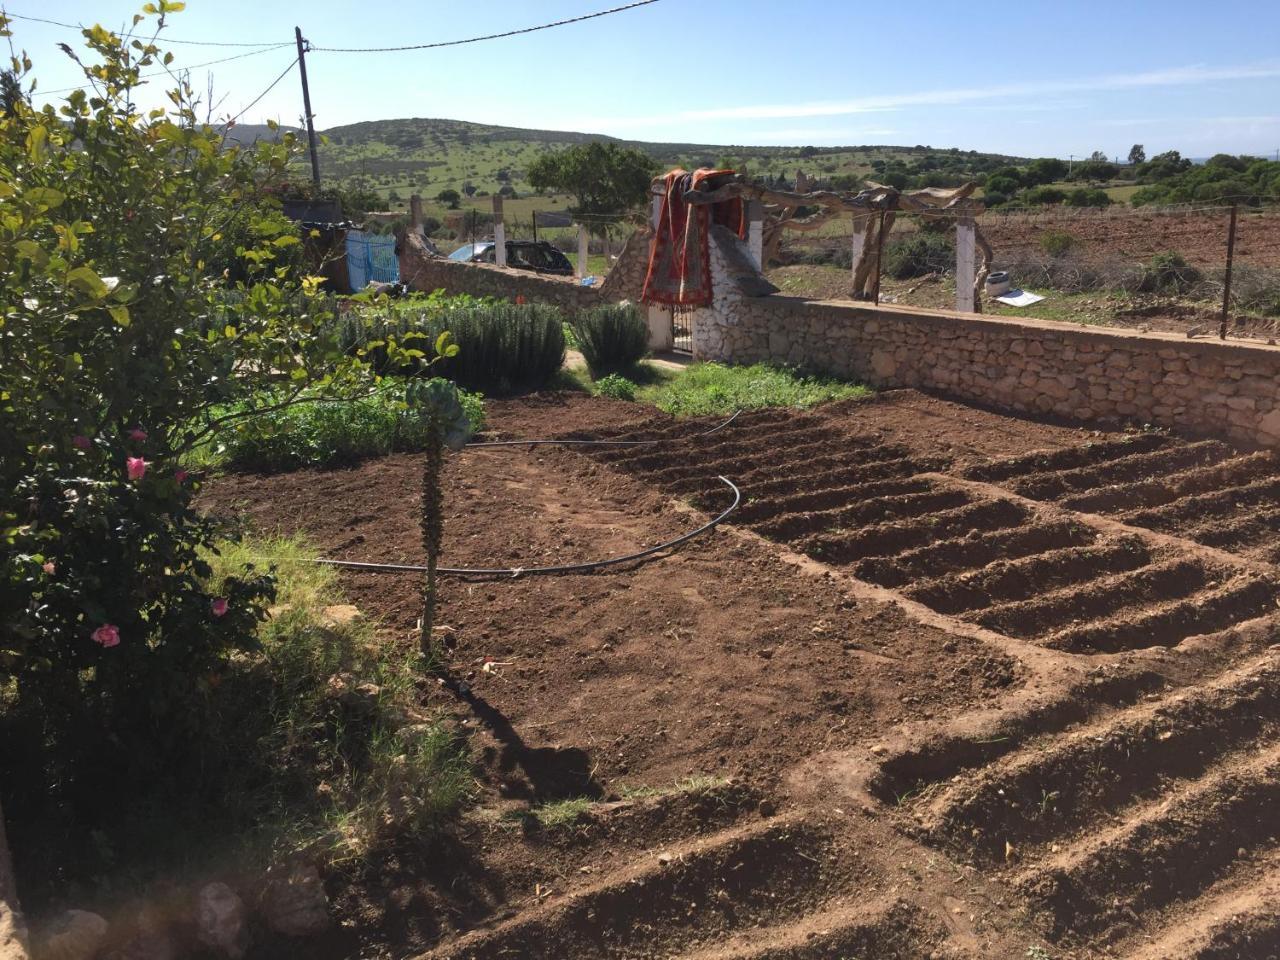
column 448, row 427
column 1137, row 155
column 450, row 198
column 603, row 178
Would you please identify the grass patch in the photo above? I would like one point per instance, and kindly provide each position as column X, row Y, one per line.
column 313, row 741
column 329, row 433
column 711, row 388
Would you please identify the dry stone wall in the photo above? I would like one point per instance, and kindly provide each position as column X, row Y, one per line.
column 1208, row 387
column 422, row 270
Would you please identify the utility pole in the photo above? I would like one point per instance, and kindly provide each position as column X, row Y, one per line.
column 306, row 106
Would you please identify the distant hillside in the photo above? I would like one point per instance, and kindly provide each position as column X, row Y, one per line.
column 396, row 158
column 249, row 133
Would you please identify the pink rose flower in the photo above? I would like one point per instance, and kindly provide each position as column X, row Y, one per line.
column 136, row 468
column 138, row 434
column 81, row 442
column 180, row 475
column 48, row 567
column 219, row 606
column 107, row 635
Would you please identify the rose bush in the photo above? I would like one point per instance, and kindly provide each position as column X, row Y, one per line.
column 151, row 298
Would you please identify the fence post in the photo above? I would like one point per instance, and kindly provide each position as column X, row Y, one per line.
column 966, row 271
column 755, row 232
column 1226, row 286
column 499, row 233
column 582, row 250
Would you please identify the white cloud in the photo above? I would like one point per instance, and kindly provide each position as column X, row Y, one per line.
column 1174, row 76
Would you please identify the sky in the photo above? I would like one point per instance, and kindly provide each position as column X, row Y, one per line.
column 1031, row 78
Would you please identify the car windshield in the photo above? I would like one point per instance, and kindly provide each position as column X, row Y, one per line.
column 468, row 251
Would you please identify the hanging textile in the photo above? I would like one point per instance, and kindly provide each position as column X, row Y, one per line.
column 679, row 272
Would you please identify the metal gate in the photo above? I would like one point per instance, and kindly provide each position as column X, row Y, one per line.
column 682, row 331
column 371, row 258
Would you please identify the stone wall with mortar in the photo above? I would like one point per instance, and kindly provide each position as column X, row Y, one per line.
column 422, row 270
column 1200, row 386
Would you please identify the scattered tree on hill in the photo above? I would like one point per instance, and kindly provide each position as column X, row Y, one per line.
column 1044, row 170
column 450, row 198
column 469, row 189
column 1137, row 155
column 603, row 178
column 1098, row 156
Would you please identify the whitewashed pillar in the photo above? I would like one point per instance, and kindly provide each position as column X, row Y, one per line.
column 661, row 335
column 966, row 265
column 415, row 215
column 861, row 230
column 582, row 250
column 499, row 234
column 755, row 232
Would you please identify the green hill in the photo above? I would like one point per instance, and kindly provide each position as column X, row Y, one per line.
column 396, row 158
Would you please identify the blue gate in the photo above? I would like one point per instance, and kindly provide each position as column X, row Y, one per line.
column 371, row 257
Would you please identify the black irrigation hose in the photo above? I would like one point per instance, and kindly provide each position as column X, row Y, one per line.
column 561, row 568
column 568, row 567
column 606, row 443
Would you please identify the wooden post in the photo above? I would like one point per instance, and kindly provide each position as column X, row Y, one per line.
column 415, row 214
column 875, row 290
column 306, row 109
column 755, row 232
column 1226, row 286
column 966, row 268
column 499, row 233
column 582, row 250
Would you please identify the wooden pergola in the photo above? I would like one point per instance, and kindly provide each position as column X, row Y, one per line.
column 873, row 212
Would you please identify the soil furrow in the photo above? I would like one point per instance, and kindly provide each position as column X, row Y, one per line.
column 1198, row 508
column 1152, row 493
column 1012, row 580
column 1139, row 466
column 869, row 511
column 839, row 490
column 1142, row 864
column 764, row 874
column 1169, row 624
column 760, row 507
column 1257, row 527
column 1173, row 579
column 1042, row 794
column 1087, row 455
column 973, row 552
column 887, row 539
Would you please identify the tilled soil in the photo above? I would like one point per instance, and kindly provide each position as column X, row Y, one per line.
column 949, row 684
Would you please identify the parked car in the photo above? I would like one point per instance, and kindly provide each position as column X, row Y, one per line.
column 523, row 254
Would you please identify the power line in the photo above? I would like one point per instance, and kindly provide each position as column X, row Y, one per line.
column 169, row 73
column 198, row 43
column 491, row 36
column 292, row 64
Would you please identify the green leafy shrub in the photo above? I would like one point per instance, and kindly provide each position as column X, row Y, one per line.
column 1044, row 195
column 616, row 386
column 1168, row 273
column 126, row 341
column 917, row 254
column 1088, row 197
column 328, row 433
column 1056, row 242
column 712, row 388
column 501, row 346
column 613, row 337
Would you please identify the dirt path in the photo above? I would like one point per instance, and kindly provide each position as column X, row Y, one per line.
column 931, row 694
